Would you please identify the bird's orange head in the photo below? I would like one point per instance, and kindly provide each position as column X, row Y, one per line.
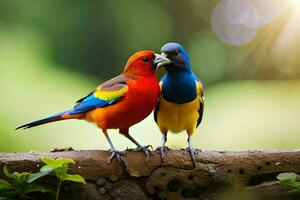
column 143, row 63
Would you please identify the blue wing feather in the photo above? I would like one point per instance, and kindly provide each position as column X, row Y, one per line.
column 93, row 101
column 87, row 105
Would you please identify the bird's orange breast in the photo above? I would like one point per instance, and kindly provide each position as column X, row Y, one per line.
column 137, row 104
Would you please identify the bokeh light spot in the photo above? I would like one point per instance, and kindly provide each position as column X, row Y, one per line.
column 229, row 30
column 242, row 12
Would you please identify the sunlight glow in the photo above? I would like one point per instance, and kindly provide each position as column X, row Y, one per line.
column 287, row 47
column 237, row 21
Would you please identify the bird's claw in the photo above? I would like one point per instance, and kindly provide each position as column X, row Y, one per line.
column 145, row 149
column 192, row 153
column 163, row 150
column 187, row 151
column 117, row 154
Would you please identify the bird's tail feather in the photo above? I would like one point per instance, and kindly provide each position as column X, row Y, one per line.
column 53, row 118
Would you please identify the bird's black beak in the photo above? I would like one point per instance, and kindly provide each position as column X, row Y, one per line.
column 176, row 62
column 160, row 60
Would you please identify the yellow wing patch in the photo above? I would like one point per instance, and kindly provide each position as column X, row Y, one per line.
column 199, row 87
column 110, row 95
column 160, row 85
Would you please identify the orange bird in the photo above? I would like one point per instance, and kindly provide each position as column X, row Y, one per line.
column 120, row 102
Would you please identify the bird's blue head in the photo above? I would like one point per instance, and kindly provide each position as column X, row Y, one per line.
column 178, row 56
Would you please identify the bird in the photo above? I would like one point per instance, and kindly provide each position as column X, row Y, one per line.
column 119, row 102
column 181, row 104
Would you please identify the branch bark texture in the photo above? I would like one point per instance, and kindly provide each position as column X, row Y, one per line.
column 218, row 175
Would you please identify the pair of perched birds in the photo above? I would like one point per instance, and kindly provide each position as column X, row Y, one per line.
column 127, row 99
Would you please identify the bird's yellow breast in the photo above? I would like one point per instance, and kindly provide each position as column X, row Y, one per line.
column 178, row 117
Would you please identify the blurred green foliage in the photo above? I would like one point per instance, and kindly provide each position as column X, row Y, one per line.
column 16, row 187
column 290, row 179
column 21, row 185
column 54, row 52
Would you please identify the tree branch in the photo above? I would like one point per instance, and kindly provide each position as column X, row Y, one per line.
column 217, row 174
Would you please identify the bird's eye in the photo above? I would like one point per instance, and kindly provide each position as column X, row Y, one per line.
column 173, row 54
column 145, row 59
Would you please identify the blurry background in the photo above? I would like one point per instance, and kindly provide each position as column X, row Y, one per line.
column 247, row 52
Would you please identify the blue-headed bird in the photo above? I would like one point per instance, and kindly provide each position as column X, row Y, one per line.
column 181, row 104
column 120, row 102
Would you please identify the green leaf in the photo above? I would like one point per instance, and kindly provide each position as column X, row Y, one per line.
column 7, row 172
column 74, row 177
column 289, row 183
column 4, row 185
column 35, row 176
column 61, row 172
column 287, row 176
column 12, row 176
column 46, row 168
column 289, row 179
column 16, row 177
column 56, row 163
column 39, row 188
column 50, row 162
column 22, row 177
column 296, row 190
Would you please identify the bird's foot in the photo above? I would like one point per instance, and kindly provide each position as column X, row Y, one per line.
column 163, row 150
column 192, row 153
column 117, row 154
column 187, row 151
column 145, row 149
